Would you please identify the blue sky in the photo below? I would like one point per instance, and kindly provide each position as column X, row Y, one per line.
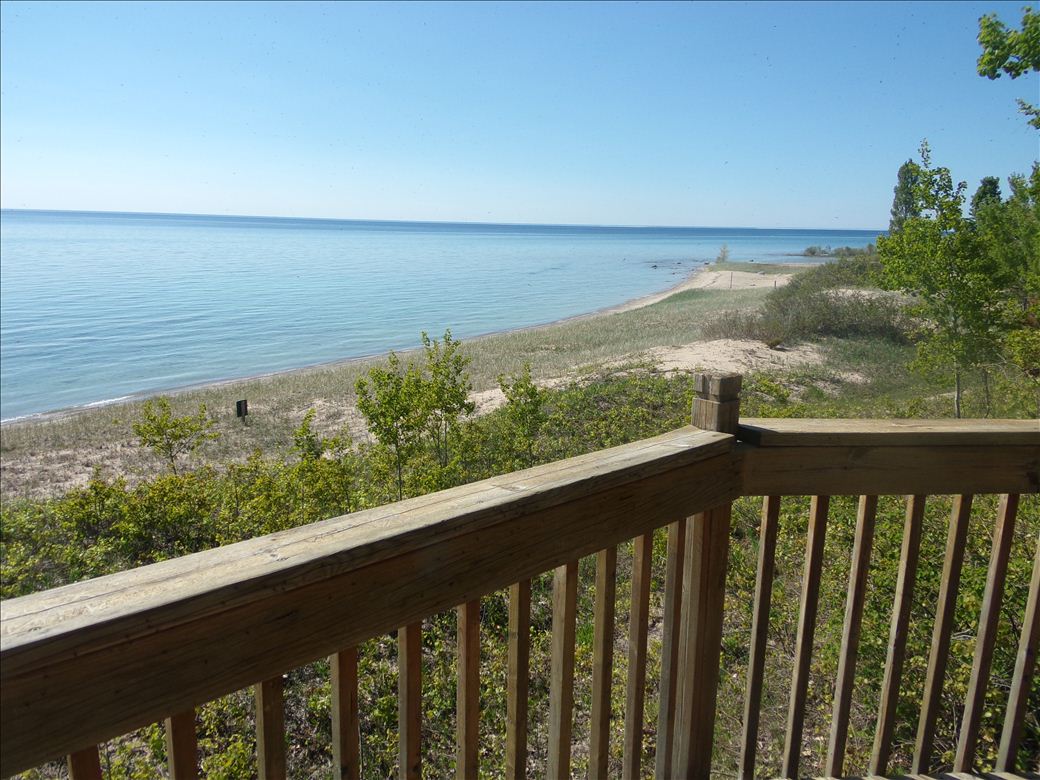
column 732, row 114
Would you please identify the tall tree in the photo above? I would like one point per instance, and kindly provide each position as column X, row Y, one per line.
column 936, row 257
column 1012, row 52
column 987, row 193
column 904, row 202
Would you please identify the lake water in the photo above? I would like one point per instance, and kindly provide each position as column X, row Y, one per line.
column 100, row 306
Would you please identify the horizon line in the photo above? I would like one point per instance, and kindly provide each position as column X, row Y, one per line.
column 437, row 222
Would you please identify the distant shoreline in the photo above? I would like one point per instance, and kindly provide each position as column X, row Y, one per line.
column 690, row 282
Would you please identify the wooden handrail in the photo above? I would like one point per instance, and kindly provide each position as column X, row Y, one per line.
column 92, row 660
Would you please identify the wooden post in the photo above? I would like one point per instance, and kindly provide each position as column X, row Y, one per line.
column 561, row 673
column 467, row 706
column 668, row 703
column 85, row 764
column 181, row 746
column 346, row 731
column 270, row 728
column 409, row 701
column 716, row 408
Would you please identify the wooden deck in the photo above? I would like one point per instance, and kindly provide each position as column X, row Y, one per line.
column 88, row 662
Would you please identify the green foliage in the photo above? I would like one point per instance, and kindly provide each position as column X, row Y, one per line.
column 524, row 412
column 904, row 201
column 1011, row 52
column 987, row 193
column 937, row 257
column 447, row 391
column 394, row 404
column 170, row 437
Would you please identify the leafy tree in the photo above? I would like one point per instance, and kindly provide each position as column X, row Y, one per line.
column 524, row 410
column 393, row 401
column 446, row 392
column 988, row 192
column 904, row 202
column 170, row 437
column 937, row 257
column 1011, row 52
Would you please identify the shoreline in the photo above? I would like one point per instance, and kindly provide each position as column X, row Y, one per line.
column 699, row 278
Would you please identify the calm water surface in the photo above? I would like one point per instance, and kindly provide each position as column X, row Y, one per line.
column 99, row 306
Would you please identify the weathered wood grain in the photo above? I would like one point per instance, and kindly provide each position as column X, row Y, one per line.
column 1025, row 668
column 790, row 432
column 992, row 597
column 806, row 630
column 346, row 726
column 85, row 764
column 861, row 547
column 561, row 673
column 240, row 621
column 602, row 663
column 668, row 701
column 884, row 470
column 905, row 578
column 182, row 757
column 270, row 729
column 759, row 634
column 409, row 702
column 931, row 701
column 517, row 681
column 467, row 700
column 638, row 623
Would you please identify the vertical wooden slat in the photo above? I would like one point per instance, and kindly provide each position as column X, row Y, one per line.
column 670, row 648
column 908, row 557
column 270, row 729
column 759, row 633
column 602, row 663
column 993, row 595
column 85, row 764
column 561, row 684
column 409, row 701
column 467, row 700
column 517, row 684
column 806, row 629
column 1025, row 668
column 931, row 700
column 346, row 727
column 861, row 547
column 181, row 746
column 704, row 583
column 637, row 626
column 716, row 408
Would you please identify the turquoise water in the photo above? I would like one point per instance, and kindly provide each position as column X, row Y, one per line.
column 100, row 306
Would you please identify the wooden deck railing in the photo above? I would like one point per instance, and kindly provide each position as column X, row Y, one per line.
column 87, row 662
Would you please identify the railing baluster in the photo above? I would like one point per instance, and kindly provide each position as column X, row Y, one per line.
column 908, row 557
column 517, row 686
column 846, row 675
column 270, row 729
column 637, row 627
column 994, row 594
column 670, row 649
column 181, row 746
column 806, row 629
column 561, row 684
column 602, row 662
column 346, row 731
column 1025, row 668
column 944, row 612
column 409, row 701
column 467, row 700
column 85, row 764
column 759, row 633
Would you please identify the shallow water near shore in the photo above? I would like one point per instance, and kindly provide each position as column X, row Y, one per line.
column 96, row 307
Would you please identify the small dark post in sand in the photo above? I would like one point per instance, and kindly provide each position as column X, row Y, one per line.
column 242, row 409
